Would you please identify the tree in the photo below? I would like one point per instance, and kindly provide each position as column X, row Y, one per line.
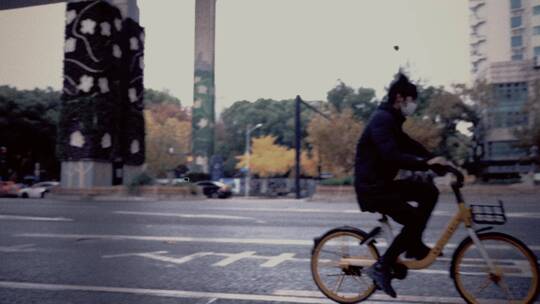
column 425, row 131
column 443, row 110
column 362, row 102
column 335, row 140
column 162, row 135
column 270, row 159
column 152, row 97
column 529, row 135
column 276, row 117
column 28, row 125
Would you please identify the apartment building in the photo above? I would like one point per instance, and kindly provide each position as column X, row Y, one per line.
column 505, row 51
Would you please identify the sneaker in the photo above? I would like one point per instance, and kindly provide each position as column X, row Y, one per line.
column 381, row 276
column 419, row 252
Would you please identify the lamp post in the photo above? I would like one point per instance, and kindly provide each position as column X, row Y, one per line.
column 248, row 141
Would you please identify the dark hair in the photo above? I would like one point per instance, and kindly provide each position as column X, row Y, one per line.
column 402, row 86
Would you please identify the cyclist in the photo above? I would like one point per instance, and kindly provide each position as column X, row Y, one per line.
column 381, row 151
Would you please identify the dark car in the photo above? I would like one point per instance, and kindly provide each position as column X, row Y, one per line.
column 214, row 189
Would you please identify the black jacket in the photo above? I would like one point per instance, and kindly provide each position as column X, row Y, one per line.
column 384, row 148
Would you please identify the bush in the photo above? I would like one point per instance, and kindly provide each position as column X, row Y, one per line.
column 345, row 181
column 142, row 179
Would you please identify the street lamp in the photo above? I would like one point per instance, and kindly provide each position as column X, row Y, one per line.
column 248, row 141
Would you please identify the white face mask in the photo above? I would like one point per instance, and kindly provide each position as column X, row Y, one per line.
column 408, row 108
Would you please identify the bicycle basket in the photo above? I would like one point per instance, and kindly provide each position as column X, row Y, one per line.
column 489, row 214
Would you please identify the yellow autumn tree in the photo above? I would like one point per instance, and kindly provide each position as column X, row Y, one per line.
column 335, row 141
column 269, row 159
column 160, row 136
column 424, row 131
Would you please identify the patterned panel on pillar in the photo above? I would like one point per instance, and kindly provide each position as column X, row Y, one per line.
column 132, row 38
column 89, row 98
column 203, row 119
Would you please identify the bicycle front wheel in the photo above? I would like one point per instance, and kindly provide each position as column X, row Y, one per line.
column 337, row 262
column 513, row 278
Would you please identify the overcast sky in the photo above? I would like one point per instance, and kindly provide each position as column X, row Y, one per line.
column 264, row 48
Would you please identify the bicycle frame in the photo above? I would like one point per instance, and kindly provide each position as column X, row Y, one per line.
column 463, row 215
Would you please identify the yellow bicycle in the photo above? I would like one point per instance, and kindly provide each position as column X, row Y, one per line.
column 486, row 267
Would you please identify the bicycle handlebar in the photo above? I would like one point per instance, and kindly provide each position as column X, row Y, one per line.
column 459, row 176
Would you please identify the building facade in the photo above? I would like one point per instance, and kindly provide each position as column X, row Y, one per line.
column 505, row 52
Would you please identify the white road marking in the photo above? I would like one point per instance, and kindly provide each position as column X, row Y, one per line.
column 234, row 258
column 33, row 218
column 376, row 297
column 164, row 292
column 108, row 256
column 274, row 261
column 183, row 215
column 158, row 255
column 171, row 239
column 518, row 268
column 252, row 241
column 18, row 248
column 534, row 215
column 281, row 296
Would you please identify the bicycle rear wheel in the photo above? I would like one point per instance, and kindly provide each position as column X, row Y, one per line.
column 515, row 279
column 337, row 262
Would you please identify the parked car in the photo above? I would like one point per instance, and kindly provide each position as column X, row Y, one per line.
column 8, row 189
column 214, row 189
column 38, row 190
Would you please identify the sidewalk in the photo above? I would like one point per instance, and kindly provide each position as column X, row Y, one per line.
column 347, row 193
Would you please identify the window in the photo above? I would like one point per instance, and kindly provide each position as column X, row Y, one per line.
column 536, row 30
column 536, row 10
column 514, row 93
column 516, row 21
column 518, row 56
column 517, row 41
column 514, row 4
column 537, row 51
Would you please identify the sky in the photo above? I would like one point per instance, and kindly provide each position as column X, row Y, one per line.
column 264, row 48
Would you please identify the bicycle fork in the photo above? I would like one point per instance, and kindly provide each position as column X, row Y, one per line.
column 482, row 249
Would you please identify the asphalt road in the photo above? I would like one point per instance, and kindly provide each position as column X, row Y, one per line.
column 210, row 251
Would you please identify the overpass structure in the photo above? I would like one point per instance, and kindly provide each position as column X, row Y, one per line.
column 101, row 128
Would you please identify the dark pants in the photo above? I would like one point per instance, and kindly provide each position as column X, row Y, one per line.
column 392, row 200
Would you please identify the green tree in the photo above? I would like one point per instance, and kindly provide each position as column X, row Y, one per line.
column 152, row 97
column 276, row 117
column 447, row 110
column 28, row 122
column 362, row 101
column 529, row 134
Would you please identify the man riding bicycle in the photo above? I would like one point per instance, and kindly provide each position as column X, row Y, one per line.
column 382, row 150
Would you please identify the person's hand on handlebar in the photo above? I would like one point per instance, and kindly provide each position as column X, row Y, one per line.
column 438, row 165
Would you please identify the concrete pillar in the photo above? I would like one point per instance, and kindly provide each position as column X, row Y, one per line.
column 95, row 93
column 203, row 112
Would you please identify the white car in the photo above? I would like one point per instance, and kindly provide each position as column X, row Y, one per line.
column 37, row 190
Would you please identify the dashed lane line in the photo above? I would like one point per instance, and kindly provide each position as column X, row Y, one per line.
column 33, row 218
column 183, row 215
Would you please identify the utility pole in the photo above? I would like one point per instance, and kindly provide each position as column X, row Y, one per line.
column 298, row 139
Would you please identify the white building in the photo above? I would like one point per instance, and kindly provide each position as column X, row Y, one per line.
column 505, row 47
